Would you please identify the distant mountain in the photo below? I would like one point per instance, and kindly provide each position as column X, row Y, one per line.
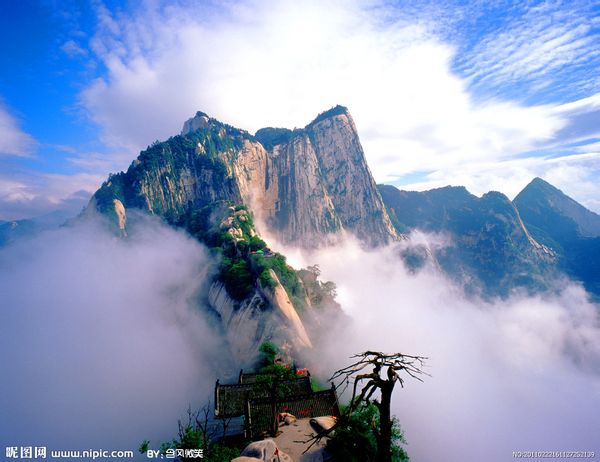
column 567, row 227
column 11, row 231
column 490, row 247
column 546, row 208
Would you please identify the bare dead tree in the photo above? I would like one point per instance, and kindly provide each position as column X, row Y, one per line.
column 197, row 421
column 201, row 422
column 224, row 421
column 371, row 372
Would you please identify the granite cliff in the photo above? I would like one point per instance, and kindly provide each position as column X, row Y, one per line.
column 307, row 185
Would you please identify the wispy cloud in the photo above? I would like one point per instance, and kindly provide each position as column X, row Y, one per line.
column 545, row 45
column 73, row 50
column 27, row 194
column 13, row 140
column 108, row 359
column 494, row 365
column 410, row 81
column 576, row 174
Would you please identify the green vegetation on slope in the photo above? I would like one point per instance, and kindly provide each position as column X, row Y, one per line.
column 334, row 111
column 245, row 259
column 205, row 152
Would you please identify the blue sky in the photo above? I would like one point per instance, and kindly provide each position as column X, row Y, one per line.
column 483, row 94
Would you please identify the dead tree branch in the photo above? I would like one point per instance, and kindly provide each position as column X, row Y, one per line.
column 366, row 384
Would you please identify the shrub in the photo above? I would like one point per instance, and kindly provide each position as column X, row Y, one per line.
column 355, row 441
column 256, row 243
column 237, row 278
column 268, row 351
column 286, row 274
column 266, row 280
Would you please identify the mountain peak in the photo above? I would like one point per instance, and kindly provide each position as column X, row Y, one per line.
column 334, row 111
column 541, row 184
column 489, row 241
column 543, row 205
column 273, row 136
column 540, row 188
column 200, row 120
column 308, row 185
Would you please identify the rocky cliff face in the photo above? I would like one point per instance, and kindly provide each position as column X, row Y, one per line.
column 347, row 178
column 266, row 315
column 306, row 185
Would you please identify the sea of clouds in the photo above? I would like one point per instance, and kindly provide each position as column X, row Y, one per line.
column 514, row 374
column 105, row 342
column 102, row 341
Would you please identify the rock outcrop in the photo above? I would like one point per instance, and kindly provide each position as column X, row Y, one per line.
column 309, row 185
column 264, row 451
column 267, row 314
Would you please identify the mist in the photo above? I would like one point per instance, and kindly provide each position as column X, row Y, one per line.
column 506, row 375
column 102, row 339
column 104, row 344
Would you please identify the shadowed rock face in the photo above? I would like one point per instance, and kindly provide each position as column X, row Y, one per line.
column 545, row 207
column 567, row 227
column 490, row 247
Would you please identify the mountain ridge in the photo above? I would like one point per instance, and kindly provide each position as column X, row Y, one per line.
column 540, row 193
column 307, row 185
column 491, row 248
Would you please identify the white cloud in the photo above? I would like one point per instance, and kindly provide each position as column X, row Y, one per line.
column 72, row 49
column 102, row 342
column 29, row 194
column 495, row 365
column 263, row 63
column 534, row 46
column 572, row 167
column 576, row 175
column 13, row 140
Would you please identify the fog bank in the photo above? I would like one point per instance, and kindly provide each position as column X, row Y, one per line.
column 101, row 338
column 507, row 375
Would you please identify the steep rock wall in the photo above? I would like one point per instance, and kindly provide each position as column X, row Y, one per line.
column 268, row 314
